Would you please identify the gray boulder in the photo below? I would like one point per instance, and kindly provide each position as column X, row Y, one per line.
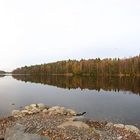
column 17, row 133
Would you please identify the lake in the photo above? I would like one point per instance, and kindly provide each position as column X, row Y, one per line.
column 103, row 98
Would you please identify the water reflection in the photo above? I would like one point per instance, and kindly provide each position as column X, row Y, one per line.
column 1, row 75
column 121, row 107
column 131, row 84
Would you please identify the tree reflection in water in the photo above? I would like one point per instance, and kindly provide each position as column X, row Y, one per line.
column 1, row 75
column 131, row 84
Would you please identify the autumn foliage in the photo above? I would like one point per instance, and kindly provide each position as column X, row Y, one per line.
column 92, row 67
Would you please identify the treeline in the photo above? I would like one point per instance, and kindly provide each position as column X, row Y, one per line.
column 2, row 72
column 106, row 83
column 94, row 67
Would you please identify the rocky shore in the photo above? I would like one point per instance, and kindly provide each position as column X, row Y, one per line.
column 40, row 122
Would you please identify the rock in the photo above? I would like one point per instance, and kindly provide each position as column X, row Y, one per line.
column 10, row 132
column 119, row 138
column 41, row 106
column 80, row 113
column 35, row 110
column 24, row 112
column 52, row 109
column 132, row 128
column 45, row 111
column 17, row 133
column 77, row 124
column 1, row 138
column 30, row 112
column 71, row 112
column 119, row 126
column 80, row 118
column 28, row 108
column 138, row 136
column 58, row 138
column 77, row 118
column 16, row 113
column 61, row 110
column 33, row 105
column 109, row 124
column 56, row 110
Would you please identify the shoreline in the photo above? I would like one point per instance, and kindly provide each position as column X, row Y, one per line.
column 61, row 123
column 77, row 75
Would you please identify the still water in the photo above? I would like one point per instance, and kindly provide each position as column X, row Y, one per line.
column 103, row 98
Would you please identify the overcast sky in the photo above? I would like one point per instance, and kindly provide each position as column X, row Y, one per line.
column 42, row 31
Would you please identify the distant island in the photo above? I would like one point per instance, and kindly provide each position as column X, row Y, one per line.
column 90, row 67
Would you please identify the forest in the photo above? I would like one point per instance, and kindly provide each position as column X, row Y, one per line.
column 91, row 67
column 2, row 72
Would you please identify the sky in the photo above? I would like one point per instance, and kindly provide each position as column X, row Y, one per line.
column 42, row 31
